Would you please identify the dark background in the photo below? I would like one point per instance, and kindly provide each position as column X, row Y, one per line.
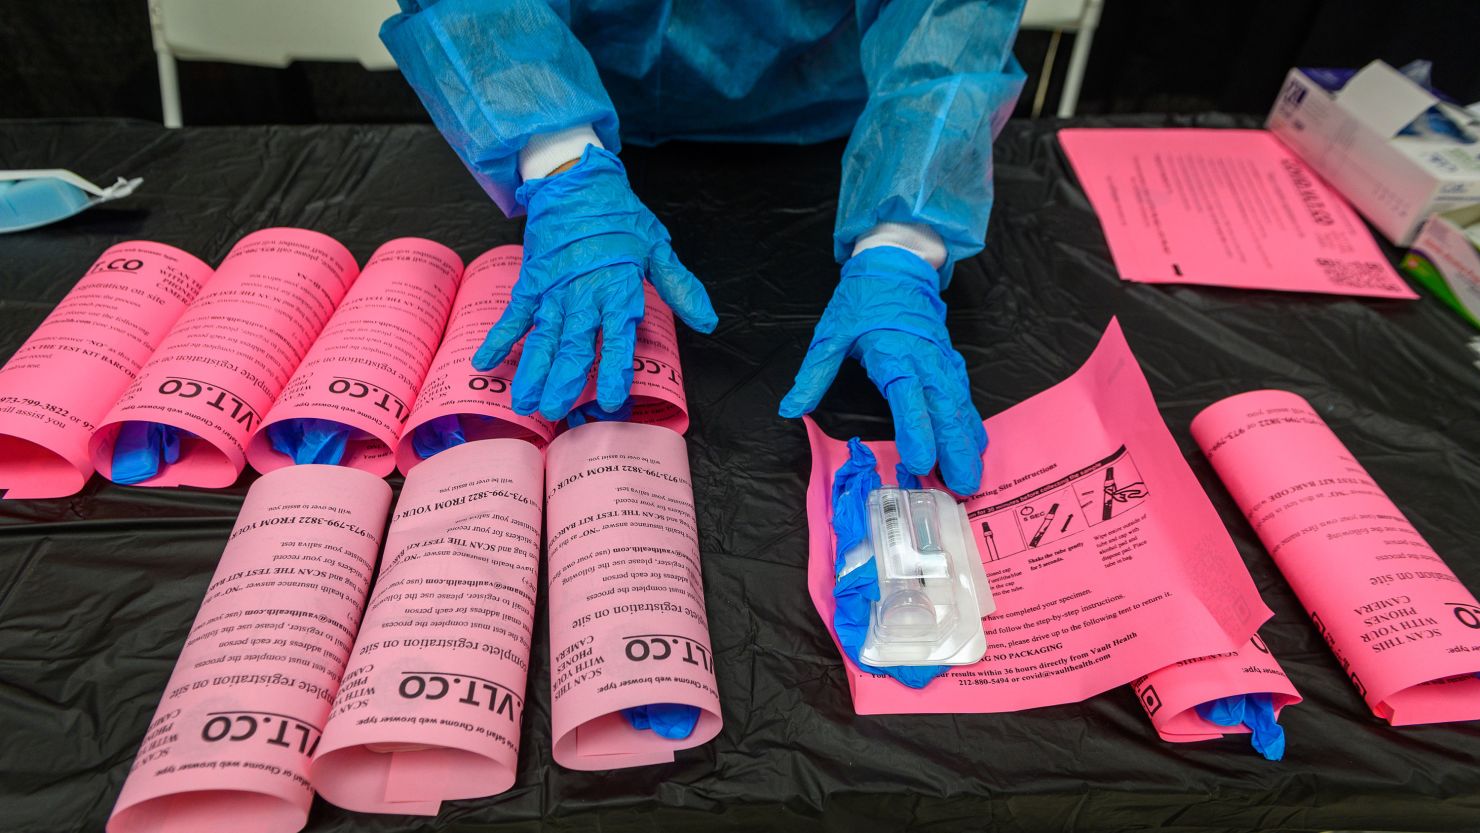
column 69, row 58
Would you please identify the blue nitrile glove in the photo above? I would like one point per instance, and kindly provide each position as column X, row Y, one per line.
column 437, row 435
column 855, row 592
column 593, row 412
column 1255, row 711
column 588, row 245
column 141, row 449
column 673, row 721
column 310, row 440
column 904, row 478
column 887, row 313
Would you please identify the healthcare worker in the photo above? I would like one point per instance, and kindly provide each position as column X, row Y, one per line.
column 528, row 93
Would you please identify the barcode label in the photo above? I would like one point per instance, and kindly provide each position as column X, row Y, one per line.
column 893, row 527
column 1356, row 274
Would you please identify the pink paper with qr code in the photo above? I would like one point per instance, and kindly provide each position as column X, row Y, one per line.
column 433, row 697
column 1095, row 535
column 1171, row 695
column 365, row 368
column 1403, row 627
column 229, row 745
column 626, row 595
column 1225, row 208
column 56, row 388
column 229, row 356
column 482, row 402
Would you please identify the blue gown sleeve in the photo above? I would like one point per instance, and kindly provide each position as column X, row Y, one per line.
column 942, row 81
column 492, row 73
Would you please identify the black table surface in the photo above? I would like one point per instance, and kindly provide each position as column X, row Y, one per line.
column 97, row 591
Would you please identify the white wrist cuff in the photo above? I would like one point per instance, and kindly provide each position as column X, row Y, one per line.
column 547, row 151
column 920, row 239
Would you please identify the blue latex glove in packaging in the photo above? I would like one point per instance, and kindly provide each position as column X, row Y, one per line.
column 588, row 246
column 310, row 440
column 34, row 198
column 142, row 449
column 887, row 313
column 1255, row 711
column 856, row 590
column 673, row 721
column 1446, row 121
column 437, row 435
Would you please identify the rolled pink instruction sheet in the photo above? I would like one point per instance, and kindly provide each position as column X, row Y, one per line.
column 364, row 371
column 229, row 745
column 56, row 388
column 1399, row 621
column 218, row 371
column 657, row 376
column 628, row 630
column 479, row 401
column 1171, row 695
column 433, row 698
column 479, row 405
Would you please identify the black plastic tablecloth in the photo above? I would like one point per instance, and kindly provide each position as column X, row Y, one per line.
column 97, row 591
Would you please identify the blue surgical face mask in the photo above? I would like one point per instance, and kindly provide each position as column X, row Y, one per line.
column 29, row 199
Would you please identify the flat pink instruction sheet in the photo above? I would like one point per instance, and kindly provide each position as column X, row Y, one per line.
column 626, row 595
column 1399, row 621
column 1104, row 555
column 1171, row 695
column 433, row 697
column 229, row 356
column 56, row 388
column 1224, row 208
column 229, row 746
column 482, row 402
column 366, row 367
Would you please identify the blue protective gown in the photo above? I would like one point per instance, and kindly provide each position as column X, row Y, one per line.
column 922, row 86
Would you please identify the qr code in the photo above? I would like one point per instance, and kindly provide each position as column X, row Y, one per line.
column 1357, row 274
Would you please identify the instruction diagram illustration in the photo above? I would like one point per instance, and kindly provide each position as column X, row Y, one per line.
column 1055, row 511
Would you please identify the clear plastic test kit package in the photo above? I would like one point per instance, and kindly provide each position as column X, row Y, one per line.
column 932, row 591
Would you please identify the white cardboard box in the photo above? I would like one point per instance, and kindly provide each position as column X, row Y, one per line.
column 1446, row 260
column 1349, row 138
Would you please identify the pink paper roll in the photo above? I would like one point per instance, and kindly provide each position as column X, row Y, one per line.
column 226, row 360
column 1172, row 694
column 482, row 400
column 365, row 369
column 657, row 376
column 431, row 705
column 626, row 595
column 60, row 383
column 1404, row 628
column 229, row 745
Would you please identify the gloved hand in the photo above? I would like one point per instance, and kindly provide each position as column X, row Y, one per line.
column 887, row 313
column 588, row 244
